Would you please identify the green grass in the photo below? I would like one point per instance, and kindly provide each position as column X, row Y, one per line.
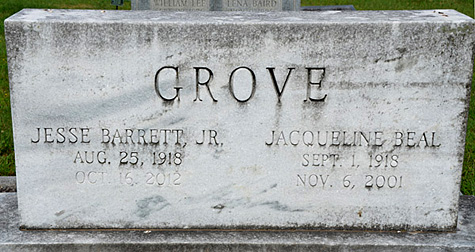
column 468, row 173
column 464, row 6
column 9, row 7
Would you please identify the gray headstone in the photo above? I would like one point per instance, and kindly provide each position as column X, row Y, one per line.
column 217, row 5
column 302, row 120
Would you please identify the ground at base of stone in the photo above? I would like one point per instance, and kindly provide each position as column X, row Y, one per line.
column 12, row 239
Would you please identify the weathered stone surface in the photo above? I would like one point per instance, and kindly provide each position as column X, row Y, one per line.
column 12, row 239
column 327, row 120
column 217, row 5
column 7, row 184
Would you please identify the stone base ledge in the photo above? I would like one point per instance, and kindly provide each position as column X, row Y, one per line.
column 12, row 239
column 7, row 184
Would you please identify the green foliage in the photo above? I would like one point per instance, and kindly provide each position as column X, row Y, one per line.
column 464, row 6
column 9, row 7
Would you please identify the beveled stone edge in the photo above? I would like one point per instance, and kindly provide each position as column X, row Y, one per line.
column 111, row 240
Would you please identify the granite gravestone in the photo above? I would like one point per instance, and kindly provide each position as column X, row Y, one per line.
column 295, row 120
column 217, row 5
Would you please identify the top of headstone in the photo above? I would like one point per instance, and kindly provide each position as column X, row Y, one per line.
column 35, row 15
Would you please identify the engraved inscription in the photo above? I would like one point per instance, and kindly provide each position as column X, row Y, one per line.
column 167, row 158
column 90, row 177
column 320, row 159
column 160, row 149
column 90, row 157
column 252, row 4
column 179, row 4
column 163, row 179
column 142, row 136
column 61, row 135
column 373, row 181
column 160, row 165
column 355, row 138
column 312, row 180
column 336, row 158
column 210, row 137
column 203, row 79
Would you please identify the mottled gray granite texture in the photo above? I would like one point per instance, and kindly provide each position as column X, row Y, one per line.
column 12, row 239
column 7, row 184
column 249, row 120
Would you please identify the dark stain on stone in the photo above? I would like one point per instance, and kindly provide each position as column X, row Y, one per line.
column 177, row 120
column 219, row 207
column 271, row 187
column 276, row 205
column 59, row 213
column 151, row 204
column 393, row 59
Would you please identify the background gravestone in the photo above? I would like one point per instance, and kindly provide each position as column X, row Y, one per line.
column 217, row 5
column 304, row 120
